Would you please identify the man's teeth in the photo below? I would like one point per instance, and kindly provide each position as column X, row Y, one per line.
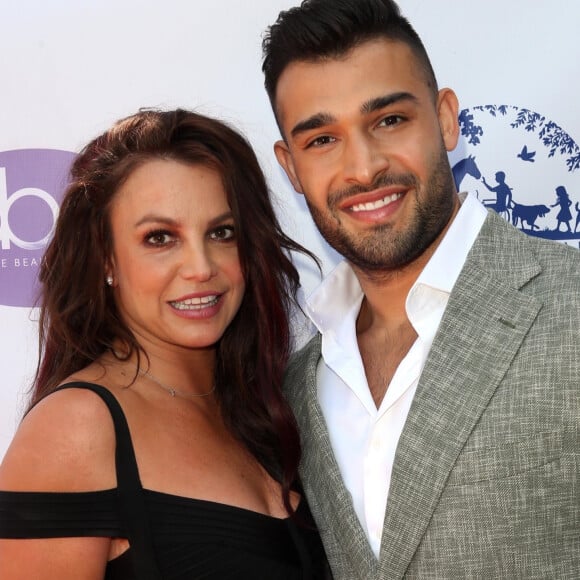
column 196, row 303
column 376, row 204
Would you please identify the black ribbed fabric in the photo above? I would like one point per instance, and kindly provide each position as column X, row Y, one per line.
column 59, row 515
column 171, row 537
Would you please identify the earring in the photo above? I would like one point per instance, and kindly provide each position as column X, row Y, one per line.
column 109, row 280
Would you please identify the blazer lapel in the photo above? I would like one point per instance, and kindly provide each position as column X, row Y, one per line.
column 329, row 499
column 483, row 326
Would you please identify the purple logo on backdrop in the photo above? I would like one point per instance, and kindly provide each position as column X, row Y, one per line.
column 32, row 182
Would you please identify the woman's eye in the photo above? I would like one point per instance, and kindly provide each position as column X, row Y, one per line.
column 222, row 233
column 160, row 238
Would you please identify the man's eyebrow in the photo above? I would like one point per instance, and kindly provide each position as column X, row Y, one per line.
column 314, row 122
column 322, row 119
column 385, row 101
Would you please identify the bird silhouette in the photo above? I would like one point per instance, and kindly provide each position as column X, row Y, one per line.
column 526, row 155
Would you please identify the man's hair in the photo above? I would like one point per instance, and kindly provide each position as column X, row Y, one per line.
column 322, row 29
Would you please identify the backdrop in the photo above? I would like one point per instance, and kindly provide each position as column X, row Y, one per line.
column 72, row 67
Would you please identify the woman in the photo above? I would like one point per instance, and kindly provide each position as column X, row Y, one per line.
column 166, row 289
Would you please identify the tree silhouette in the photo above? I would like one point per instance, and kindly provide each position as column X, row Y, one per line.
column 551, row 135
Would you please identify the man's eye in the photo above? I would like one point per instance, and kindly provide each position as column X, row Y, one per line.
column 321, row 141
column 391, row 120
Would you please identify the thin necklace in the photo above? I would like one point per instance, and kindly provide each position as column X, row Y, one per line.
column 174, row 392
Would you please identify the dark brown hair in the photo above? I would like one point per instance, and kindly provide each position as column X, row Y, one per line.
column 79, row 319
column 319, row 29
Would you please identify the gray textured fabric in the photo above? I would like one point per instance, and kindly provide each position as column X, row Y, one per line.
column 485, row 479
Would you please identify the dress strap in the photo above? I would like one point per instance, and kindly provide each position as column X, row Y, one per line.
column 132, row 507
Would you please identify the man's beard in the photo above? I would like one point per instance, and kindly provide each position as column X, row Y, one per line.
column 381, row 249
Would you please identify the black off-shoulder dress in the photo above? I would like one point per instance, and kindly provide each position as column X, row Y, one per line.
column 171, row 537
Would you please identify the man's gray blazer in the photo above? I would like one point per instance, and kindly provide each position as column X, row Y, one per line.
column 485, row 482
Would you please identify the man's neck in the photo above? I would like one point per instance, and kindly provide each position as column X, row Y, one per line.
column 385, row 292
column 384, row 298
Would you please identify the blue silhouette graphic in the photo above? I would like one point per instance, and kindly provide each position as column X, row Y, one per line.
column 503, row 195
column 469, row 129
column 551, row 135
column 552, row 140
column 522, row 214
column 465, row 167
column 526, row 155
column 564, row 216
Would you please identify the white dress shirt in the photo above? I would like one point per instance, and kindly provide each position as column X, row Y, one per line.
column 363, row 437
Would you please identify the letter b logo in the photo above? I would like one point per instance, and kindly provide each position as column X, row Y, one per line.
column 32, row 182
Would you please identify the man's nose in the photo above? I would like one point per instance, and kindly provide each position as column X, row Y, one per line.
column 363, row 159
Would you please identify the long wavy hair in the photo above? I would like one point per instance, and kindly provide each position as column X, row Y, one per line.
column 79, row 319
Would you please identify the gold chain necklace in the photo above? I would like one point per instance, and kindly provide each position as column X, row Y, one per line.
column 174, row 392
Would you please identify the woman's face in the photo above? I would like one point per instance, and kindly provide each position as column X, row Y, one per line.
column 176, row 272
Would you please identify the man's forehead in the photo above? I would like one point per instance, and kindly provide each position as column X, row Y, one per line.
column 325, row 86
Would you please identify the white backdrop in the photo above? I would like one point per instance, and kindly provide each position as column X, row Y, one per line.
column 72, row 67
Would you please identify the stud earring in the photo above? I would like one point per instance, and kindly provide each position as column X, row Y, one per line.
column 109, row 280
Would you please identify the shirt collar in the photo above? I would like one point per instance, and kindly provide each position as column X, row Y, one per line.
column 340, row 291
column 443, row 269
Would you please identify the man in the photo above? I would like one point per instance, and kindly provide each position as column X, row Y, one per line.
column 439, row 403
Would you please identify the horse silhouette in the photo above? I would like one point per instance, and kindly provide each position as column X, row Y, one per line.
column 465, row 167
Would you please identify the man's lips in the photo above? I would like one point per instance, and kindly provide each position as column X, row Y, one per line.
column 373, row 201
column 379, row 203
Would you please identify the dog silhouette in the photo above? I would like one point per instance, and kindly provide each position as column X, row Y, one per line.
column 529, row 214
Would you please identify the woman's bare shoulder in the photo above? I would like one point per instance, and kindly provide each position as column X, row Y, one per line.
column 65, row 443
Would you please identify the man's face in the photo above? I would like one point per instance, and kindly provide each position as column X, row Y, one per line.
column 366, row 143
